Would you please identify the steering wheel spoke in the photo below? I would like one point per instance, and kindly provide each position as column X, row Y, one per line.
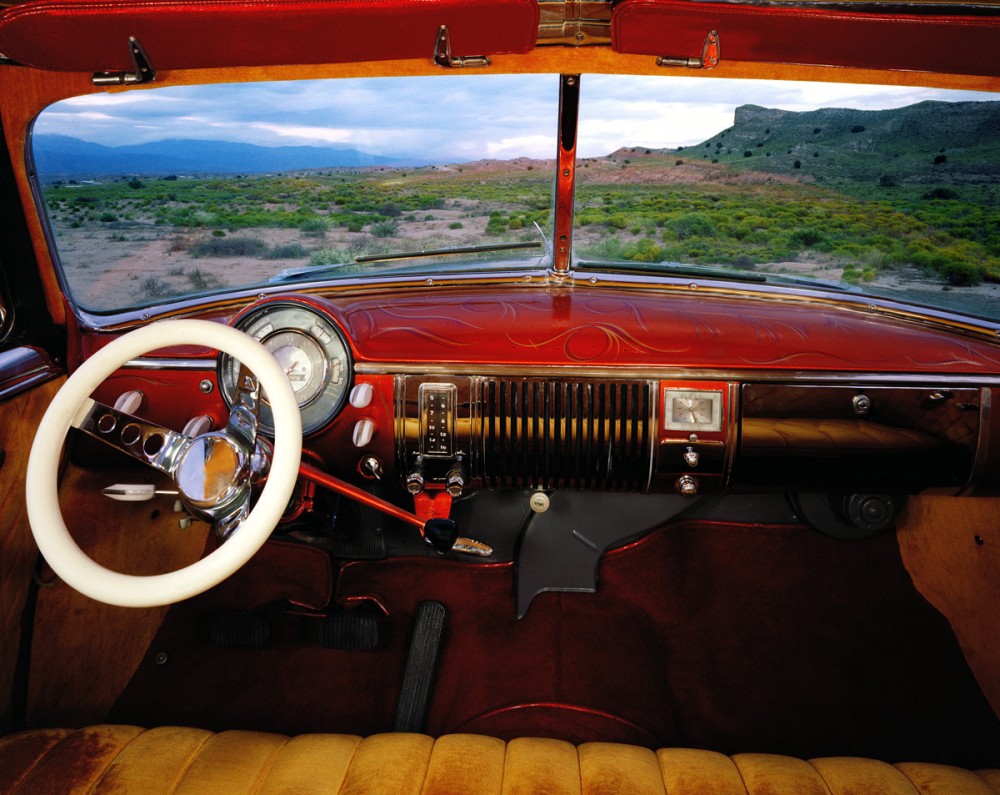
column 244, row 416
column 146, row 442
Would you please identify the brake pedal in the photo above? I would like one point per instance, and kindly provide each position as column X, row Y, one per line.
column 349, row 632
column 240, row 630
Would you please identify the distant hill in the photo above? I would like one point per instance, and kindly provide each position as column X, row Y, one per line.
column 61, row 156
column 923, row 143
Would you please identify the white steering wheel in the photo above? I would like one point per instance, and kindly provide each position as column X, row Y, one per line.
column 41, row 481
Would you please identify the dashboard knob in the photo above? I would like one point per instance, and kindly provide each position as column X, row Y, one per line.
column 687, row 485
column 361, row 396
column 129, row 402
column 364, row 430
column 414, row 483
column 454, row 481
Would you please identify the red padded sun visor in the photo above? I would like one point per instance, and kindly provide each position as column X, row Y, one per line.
column 822, row 36
column 89, row 35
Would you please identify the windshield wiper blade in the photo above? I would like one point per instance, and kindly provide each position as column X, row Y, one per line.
column 708, row 272
column 672, row 269
column 455, row 250
column 310, row 272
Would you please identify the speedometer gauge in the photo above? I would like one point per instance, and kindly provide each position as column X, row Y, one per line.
column 310, row 349
column 303, row 361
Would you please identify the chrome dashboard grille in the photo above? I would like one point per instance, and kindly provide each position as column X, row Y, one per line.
column 549, row 434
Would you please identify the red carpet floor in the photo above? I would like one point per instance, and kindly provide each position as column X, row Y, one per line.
column 725, row 636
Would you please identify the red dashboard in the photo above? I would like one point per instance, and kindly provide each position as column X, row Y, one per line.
column 693, row 390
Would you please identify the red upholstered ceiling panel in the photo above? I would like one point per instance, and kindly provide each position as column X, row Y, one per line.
column 90, row 35
column 810, row 35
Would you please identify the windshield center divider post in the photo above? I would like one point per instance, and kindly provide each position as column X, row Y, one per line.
column 569, row 104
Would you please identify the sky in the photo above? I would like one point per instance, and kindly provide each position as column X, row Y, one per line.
column 453, row 119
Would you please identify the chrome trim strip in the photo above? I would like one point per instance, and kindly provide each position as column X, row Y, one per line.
column 936, row 380
column 982, row 443
column 155, row 363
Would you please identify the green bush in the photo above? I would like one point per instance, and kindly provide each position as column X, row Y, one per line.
column 385, row 229
column 314, row 227
column 962, row 274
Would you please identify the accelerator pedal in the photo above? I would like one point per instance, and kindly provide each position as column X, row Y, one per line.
column 349, row 632
column 421, row 663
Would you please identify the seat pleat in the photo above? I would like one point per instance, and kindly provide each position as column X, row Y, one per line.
column 108, row 760
column 933, row 779
column 622, row 769
column 536, row 765
column 466, row 763
column 232, row 761
column 77, row 760
column 154, row 762
column 764, row 774
column 311, row 763
column 843, row 775
column 21, row 752
column 394, row 764
column 695, row 772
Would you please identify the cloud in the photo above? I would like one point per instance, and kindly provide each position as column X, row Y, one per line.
column 452, row 119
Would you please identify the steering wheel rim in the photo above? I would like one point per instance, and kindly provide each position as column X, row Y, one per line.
column 41, row 480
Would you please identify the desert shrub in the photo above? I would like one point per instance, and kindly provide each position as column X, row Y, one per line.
column 314, row 227
column 203, row 281
column 154, row 287
column 455, row 225
column 644, row 250
column 385, row 228
column 108, row 218
column 496, row 225
column 230, row 247
column 693, row 225
column 287, row 251
column 807, row 237
column 961, row 274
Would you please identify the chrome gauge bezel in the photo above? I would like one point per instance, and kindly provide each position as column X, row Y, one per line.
column 281, row 323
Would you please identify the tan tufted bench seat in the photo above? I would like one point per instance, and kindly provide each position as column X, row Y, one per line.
column 127, row 759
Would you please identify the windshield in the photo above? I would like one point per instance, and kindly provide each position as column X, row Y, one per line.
column 178, row 191
column 170, row 192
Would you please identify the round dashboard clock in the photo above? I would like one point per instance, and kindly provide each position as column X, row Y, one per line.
column 310, row 349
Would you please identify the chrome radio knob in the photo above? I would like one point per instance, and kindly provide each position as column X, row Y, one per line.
column 687, row 485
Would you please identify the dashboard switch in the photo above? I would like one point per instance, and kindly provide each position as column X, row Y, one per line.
column 691, row 457
column 364, row 430
column 361, row 396
column 370, row 468
column 687, row 485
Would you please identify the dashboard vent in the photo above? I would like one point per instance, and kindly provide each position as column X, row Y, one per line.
column 539, row 433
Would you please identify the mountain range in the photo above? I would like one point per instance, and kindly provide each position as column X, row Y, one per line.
column 62, row 156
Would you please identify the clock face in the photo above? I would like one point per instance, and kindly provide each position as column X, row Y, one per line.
column 692, row 411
